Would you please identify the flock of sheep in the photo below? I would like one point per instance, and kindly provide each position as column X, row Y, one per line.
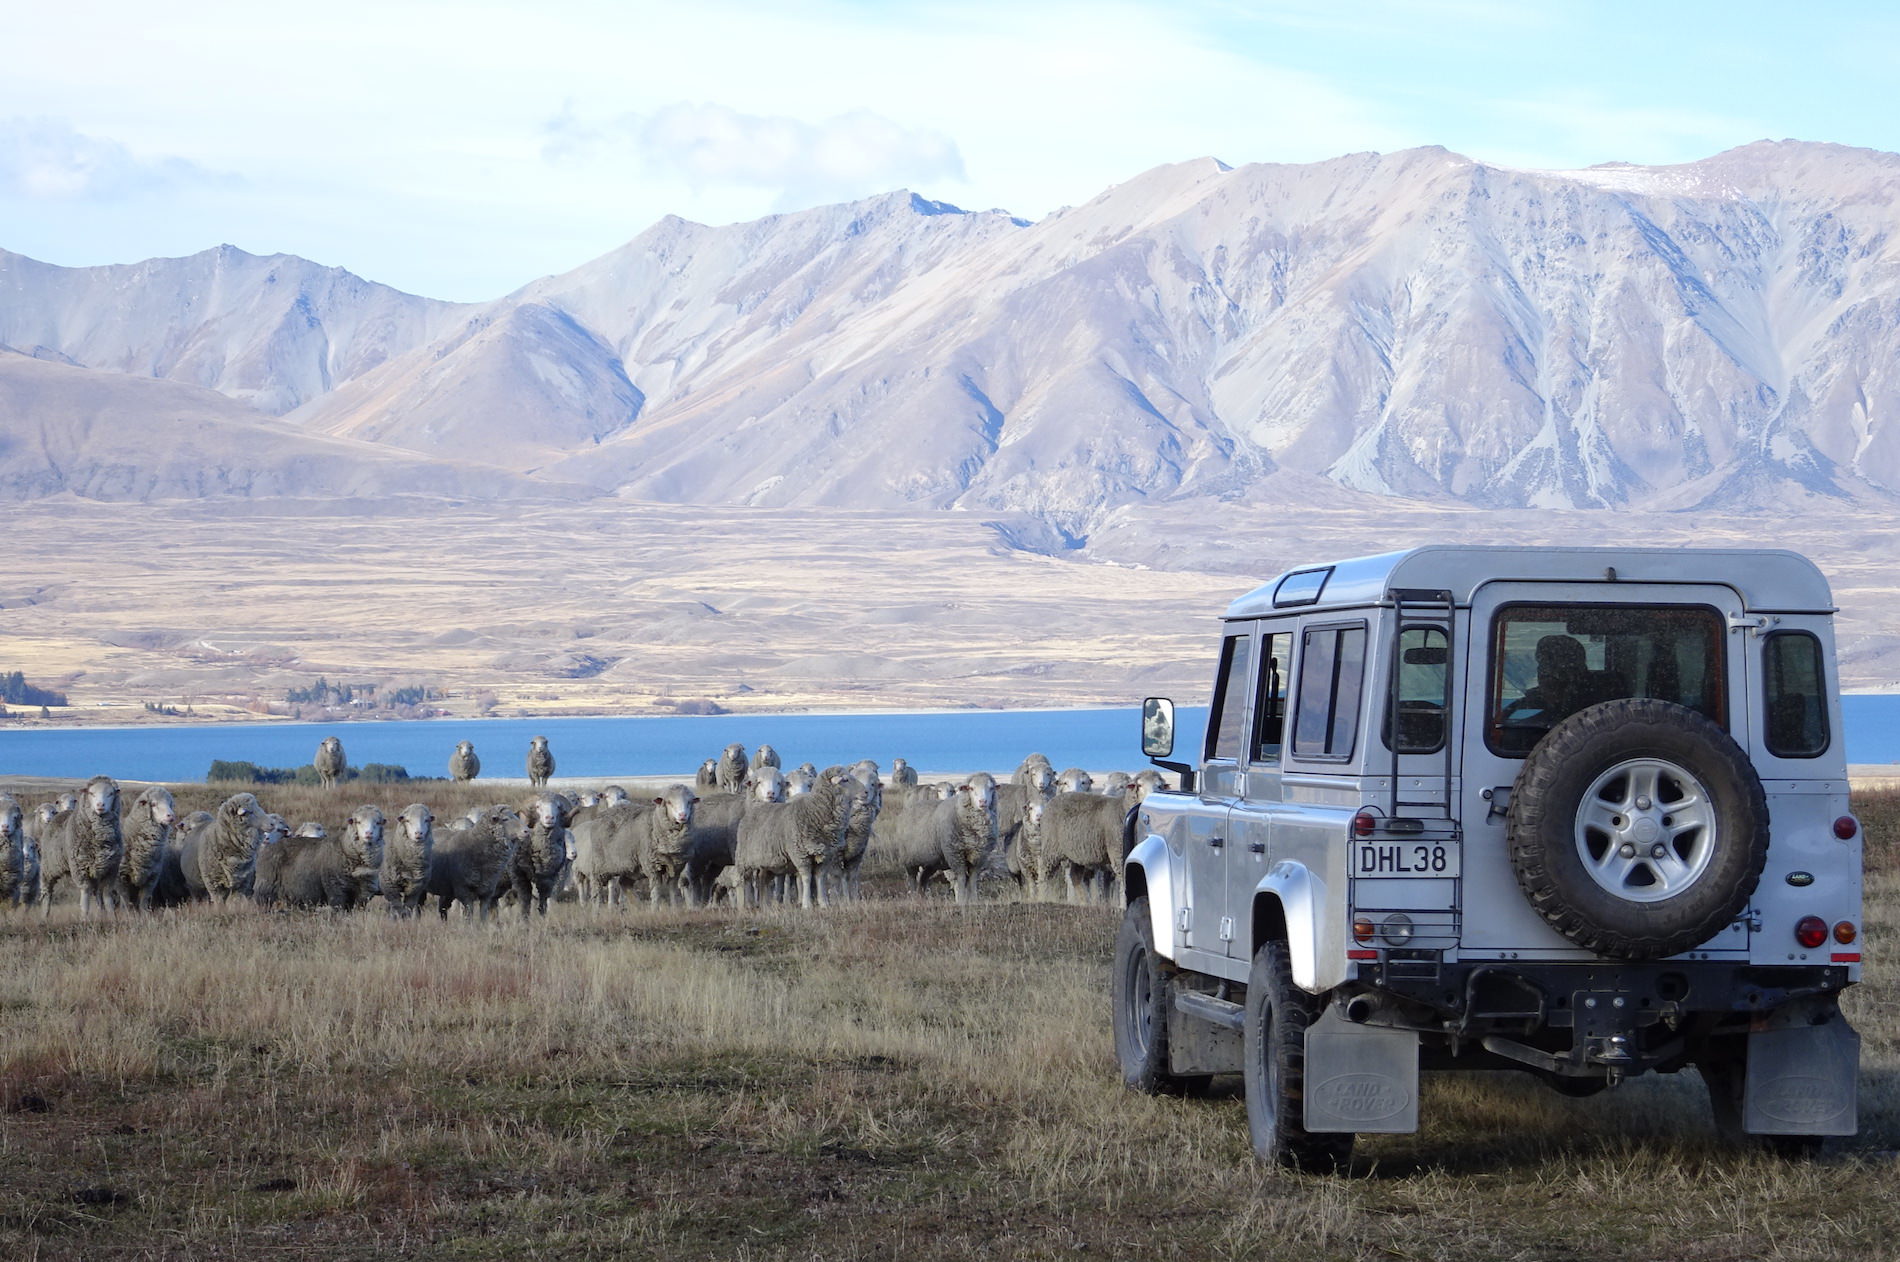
column 746, row 831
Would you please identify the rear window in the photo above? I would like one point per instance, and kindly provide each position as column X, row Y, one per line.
column 1332, row 667
column 1550, row 661
column 1796, row 695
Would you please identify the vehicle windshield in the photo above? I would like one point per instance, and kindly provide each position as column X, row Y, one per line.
column 1550, row 661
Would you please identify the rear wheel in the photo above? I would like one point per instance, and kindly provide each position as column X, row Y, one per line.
column 1274, row 1064
column 1141, row 1009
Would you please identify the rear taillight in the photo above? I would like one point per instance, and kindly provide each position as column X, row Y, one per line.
column 1845, row 932
column 1811, row 931
column 1845, row 827
column 1363, row 823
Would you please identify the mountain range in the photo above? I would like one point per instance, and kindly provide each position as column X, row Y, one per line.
column 1419, row 325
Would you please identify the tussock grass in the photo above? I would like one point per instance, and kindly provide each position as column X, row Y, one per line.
column 896, row 1078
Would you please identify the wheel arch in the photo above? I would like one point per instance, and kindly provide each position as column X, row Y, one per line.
column 1147, row 871
column 1289, row 906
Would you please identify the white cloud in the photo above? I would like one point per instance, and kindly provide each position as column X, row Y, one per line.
column 708, row 145
column 46, row 158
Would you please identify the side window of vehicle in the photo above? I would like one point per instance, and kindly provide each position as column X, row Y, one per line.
column 1420, row 700
column 1269, row 705
column 1225, row 721
column 1796, row 695
column 1332, row 669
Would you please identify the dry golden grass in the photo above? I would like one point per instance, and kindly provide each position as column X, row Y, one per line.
column 890, row 1079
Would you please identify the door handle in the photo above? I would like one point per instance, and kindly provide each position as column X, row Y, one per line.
column 1216, row 842
column 1258, row 847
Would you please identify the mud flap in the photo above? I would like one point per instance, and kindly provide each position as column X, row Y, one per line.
column 1360, row 1078
column 1803, row 1074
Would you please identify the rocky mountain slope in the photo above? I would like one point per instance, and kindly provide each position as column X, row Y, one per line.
column 1414, row 325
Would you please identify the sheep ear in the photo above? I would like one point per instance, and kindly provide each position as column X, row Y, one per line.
column 659, row 801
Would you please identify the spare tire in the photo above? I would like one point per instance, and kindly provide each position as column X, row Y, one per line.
column 1638, row 828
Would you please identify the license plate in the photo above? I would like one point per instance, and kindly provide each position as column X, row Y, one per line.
column 1404, row 858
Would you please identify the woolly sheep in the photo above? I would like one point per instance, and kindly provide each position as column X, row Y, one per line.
column 1075, row 780
column 311, row 828
column 472, row 866
column 1144, row 783
column 770, row 785
column 1012, row 805
column 800, row 780
column 1082, row 834
column 148, row 836
column 711, row 840
column 763, row 757
column 543, row 855
column 85, row 844
column 707, row 778
column 540, row 762
column 13, row 852
column 335, row 872
column 1116, row 785
column 330, row 763
column 463, row 764
column 1026, row 859
column 903, row 775
column 218, row 853
column 860, row 824
column 1025, row 772
column 953, row 836
column 732, row 769
column 796, row 838
column 407, row 850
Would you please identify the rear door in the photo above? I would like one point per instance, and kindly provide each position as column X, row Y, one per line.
column 1538, row 652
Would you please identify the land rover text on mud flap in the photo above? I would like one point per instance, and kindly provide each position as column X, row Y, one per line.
column 1579, row 812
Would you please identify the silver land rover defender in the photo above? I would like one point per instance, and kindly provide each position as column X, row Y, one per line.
column 1579, row 812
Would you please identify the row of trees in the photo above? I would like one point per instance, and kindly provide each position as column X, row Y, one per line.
column 14, row 690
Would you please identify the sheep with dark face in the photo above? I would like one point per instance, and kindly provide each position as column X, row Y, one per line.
column 330, row 763
column 148, row 836
column 540, row 762
column 407, row 850
column 463, row 764
column 543, row 855
column 473, row 865
column 86, row 846
column 218, row 853
column 954, row 837
column 13, row 853
column 732, row 769
column 799, row 838
column 338, row 873
column 707, row 779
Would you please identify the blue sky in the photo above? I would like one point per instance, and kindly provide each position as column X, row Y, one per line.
column 460, row 148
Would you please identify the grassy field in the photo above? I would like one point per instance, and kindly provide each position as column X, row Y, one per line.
column 894, row 1079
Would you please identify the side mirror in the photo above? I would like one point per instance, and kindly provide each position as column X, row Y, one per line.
column 1157, row 727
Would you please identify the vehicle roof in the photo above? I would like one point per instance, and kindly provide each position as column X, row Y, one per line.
column 1765, row 578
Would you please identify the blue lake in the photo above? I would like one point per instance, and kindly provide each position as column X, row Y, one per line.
column 604, row 748
column 594, row 749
